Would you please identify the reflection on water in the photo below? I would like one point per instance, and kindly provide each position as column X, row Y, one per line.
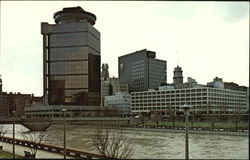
column 149, row 144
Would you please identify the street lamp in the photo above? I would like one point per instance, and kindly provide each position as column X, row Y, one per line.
column 13, row 118
column 186, row 110
column 64, row 132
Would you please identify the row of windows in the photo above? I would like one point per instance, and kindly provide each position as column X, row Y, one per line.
column 227, row 99
column 189, row 99
column 155, row 62
column 94, row 43
column 188, row 93
column 77, row 96
column 172, row 97
column 163, row 108
column 190, row 96
column 157, row 67
column 137, row 67
column 69, row 67
column 73, row 81
column 169, row 95
column 138, row 63
column 72, row 53
column 74, row 39
column 215, row 90
column 166, row 100
column 69, row 39
column 227, row 96
column 166, row 104
column 168, row 92
column 193, row 90
column 75, row 27
column 194, row 108
column 189, row 103
column 137, row 75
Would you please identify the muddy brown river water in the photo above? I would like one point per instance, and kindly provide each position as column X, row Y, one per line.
column 155, row 144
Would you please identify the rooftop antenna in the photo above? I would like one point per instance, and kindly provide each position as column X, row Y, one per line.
column 177, row 57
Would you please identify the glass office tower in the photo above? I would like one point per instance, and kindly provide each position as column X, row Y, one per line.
column 141, row 70
column 71, row 59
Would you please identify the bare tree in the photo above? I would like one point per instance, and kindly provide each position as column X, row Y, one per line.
column 213, row 118
column 35, row 137
column 173, row 117
column 237, row 118
column 156, row 117
column 112, row 143
column 3, row 130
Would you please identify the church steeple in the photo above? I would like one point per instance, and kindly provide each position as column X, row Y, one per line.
column 178, row 78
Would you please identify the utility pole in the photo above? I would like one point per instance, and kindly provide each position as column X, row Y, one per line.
column 186, row 110
column 64, row 132
column 13, row 133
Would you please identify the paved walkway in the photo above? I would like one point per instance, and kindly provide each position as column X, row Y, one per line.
column 20, row 151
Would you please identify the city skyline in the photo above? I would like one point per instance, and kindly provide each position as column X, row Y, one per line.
column 206, row 39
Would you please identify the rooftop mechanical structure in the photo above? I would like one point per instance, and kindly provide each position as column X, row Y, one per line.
column 74, row 14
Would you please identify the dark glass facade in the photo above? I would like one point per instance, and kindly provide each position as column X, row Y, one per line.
column 71, row 63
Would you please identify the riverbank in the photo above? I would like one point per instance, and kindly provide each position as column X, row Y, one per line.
column 204, row 125
column 194, row 130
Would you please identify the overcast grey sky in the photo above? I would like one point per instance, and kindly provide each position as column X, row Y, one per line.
column 209, row 39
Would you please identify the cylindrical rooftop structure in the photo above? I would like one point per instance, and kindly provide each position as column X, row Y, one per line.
column 74, row 14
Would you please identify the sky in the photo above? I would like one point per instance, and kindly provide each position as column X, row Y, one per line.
column 206, row 39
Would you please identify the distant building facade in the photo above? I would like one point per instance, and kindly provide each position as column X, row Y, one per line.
column 71, row 59
column 217, row 83
column 234, row 86
column 54, row 112
column 116, row 86
column 121, row 101
column 190, row 83
column 248, row 100
column 16, row 102
column 4, row 102
column 141, row 71
column 105, row 90
column 216, row 97
column 111, row 86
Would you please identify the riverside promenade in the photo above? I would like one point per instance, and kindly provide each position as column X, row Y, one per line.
column 72, row 153
column 19, row 150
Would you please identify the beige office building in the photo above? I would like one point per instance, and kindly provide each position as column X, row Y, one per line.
column 202, row 99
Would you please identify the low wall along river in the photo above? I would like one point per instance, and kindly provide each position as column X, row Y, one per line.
column 154, row 144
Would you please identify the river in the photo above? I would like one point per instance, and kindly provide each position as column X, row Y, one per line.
column 154, row 144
